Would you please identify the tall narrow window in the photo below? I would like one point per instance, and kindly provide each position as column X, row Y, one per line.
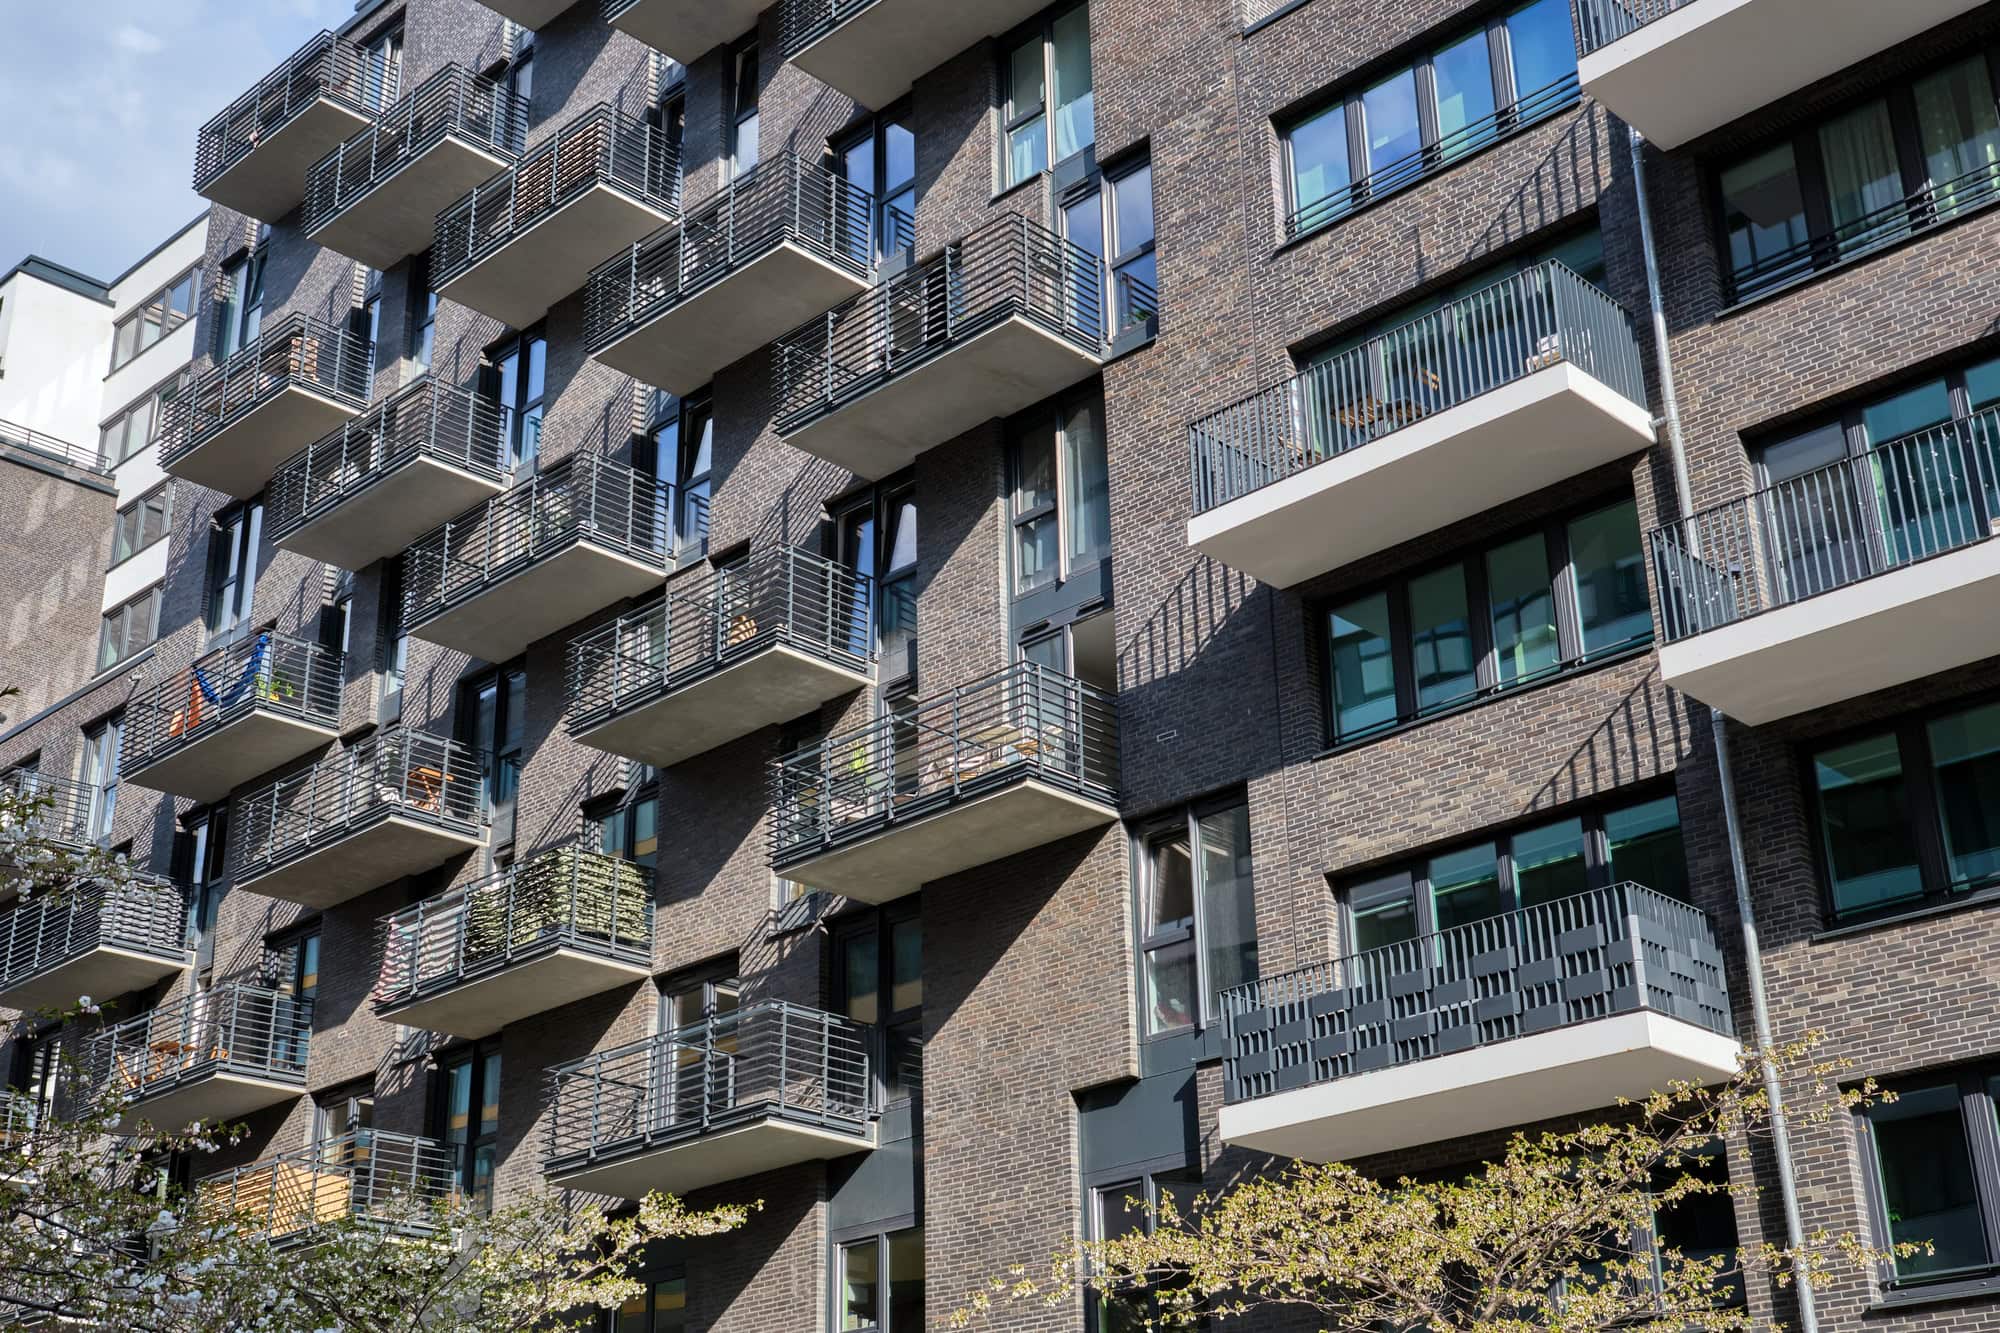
column 468, row 1117
column 242, row 316
column 492, row 713
column 198, row 858
column 743, row 138
column 1135, row 275
column 632, row 831
column 881, row 162
column 100, row 773
column 882, row 1283
column 382, row 71
column 1062, row 499
column 695, row 468
column 1934, row 1175
column 879, row 975
column 1198, row 919
column 1049, row 113
column 234, row 543
column 519, row 384
column 422, row 304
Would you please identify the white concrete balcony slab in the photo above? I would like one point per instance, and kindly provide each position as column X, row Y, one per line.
column 215, row 1055
column 90, row 940
column 873, row 50
column 684, row 29
column 254, row 157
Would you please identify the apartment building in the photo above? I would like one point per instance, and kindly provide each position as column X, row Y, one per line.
column 1136, row 591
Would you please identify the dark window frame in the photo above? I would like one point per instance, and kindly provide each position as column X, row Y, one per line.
column 474, row 1056
column 745, row 95
column 623, row 808
column 1974, row 1083
column 1011, row 118
column 872, row 132
column 199, row 855
column 1061, row 508
column 239, row 318
column 879, row 506
column 160, row 500
column 521, row 453
column 98, row 762
column 154, row 401
column 880, row 1235
column 235, row 544
column 1180, row 822
column 115, row 642
column 893, row 1029
column 170, row 321
column 652, row 1279
column 508, row 696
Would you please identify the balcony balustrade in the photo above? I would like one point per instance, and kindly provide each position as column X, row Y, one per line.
column 253, row 157
column 379, row 1179
column 215, row 1055
column 40, row 446
column 46, row 811
column 90, row 939
column 683, row 29
column 752, row 646
column 874, row 50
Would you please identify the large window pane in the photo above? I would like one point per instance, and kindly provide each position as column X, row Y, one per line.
column 1645, row 845
column 1907, row 412
column 1027, row 142
column 861, row 969
column 1543, row 48
column 1228, row 911
column 1870, row 851
column 1925, row 1170
column 1364, row 669
column 1320, row 174
column 1548, row 862
column 1088, row 481
column 1389, row 110
column 1441, row 639
column 1764, row 218
column 906, row 1281
column 1384, row 912
column 1610, row 574
column 1965, row 751
column 1863, row 178
column 1960, row 130
column 860, row 1278
column 1464, row 75
column 1524, row 610
column 1074, row 102
column 1465, row 886
column 1170, row 896
column 1170, row 986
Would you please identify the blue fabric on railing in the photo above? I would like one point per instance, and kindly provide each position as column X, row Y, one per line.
column 251, row 670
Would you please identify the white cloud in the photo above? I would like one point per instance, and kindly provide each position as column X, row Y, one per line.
column 136, row 40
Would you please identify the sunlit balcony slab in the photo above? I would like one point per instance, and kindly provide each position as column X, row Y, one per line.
column 878, row 50
column 517, row 281
column 684, row 29
column 396, row 217
column 767, row 1145
column 269, row 180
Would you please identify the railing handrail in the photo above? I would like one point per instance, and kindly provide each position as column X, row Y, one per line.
column 804, row 22
column 263, row 671
column 1602, row 22
column 236, row 1025
column 288, row 1192
column 68, row 806
column 35, row 442
column 329, row 358
column 148, row 915
column 326, row 66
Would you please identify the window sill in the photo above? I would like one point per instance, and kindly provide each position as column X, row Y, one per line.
column 1132, row 338
column 1893, row 1299
column 1986, row 897
column 124, row 664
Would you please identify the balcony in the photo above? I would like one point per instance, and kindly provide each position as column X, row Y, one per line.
column 1019, row 759
column 90, row 939
column 755, row 645
column 1553, row 1010
column 1676, row 69
column 531, row 13
column 215, row 1055
column 777, row 246
column 558, row 928
column 380, row 1180
column 19, row 439
column 768, row 1086
column 233, row 427
column 526, row 239
column 995, row 323
column 376, row 197
column 232, row 715
column 399, row 803
column 1494, row 396
column 253, row 158
column 544, row 554
column 683, row 29
column 873, row 50
column 63, row 815
column 371, row 488
column 1851, row 578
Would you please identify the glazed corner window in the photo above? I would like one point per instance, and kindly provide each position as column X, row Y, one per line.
column 163, row 312
column 1910, row 815
column 142, row 523
column 661, row 1305
column 1934, row 1157
column 882, row 1283
column 1198, row 916
column 1049, row 112
column 127, row 629
column 743, row 146
column 233, row 544
column 1062, row 497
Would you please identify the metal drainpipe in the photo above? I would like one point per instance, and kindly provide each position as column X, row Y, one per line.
column 1746, row 911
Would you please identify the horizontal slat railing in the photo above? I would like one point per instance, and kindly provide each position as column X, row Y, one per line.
column 325, row 67
column 566, row 898
column 235, row 1028
column 295, row 352
column 768, row 1060
column 1026, row 721
column 48, row 446
column 57, row 810
column 428, row 420
column 584, row 498
column 786, row 596
column 1010, row 267
column 1905, row 500
column 1520, row 325
column 602, row 146
column 363, row 1175
column 804, row 22
column 785, row 200
column 1594, row 955
column 147, row 916
column 1602, row 22
column 410, row 775
column 453, row 101
column 267, row 672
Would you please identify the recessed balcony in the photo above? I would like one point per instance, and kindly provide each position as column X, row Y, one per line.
column 750, row 647
column 66, row 817
column 1494, row 396
column 90, row 939
column 378, row 483
column 993, row 324
column 1869, row 572
column 232, row 715
column 399, row 803
column 215, row 1055
column 253, row 158
column 684, row 29
column 376, row 197
column 541, row 555
column 232, row 428
column 780, row 245
column 379, row 1179
column 1676, row 69
column 874, row 50
column 1552, row 1010
column 770, row 1085
column 558, row 928
column 528, row 237
column 1016, row 760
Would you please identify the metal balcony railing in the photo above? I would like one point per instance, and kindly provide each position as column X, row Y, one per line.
column 1903, row 501
column 602, row 146
column 296, row 352
column 1008, row 268
column 240, row 1029
column 1602, row 22
column 1520, row 325
column 584, row 498
column 1024, row 722
column 55, row 810
column 325, row 67
column 147, row 916
column 785, row 596
column 268, row 673
column 409, row 775
column 899, row 230
column 1610, row 951
column 365, row 1175
column 48, row 446
column 428, row 419
column 568, row 898
column 19, row 1113
column 804, row 22
column 453, row 101
column 785, row 200
column 766, row 1061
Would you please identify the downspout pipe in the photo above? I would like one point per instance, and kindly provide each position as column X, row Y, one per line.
column 1746, row 911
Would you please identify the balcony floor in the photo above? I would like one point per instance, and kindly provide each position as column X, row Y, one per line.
column 212, row 766
column 1011, row 366
column 269, row 181
column 376, row 854
column 1504, row 444
column 874, row 56
column 732, row 318
column 1568, row 1071
column 397, row 216
column 1887, row 630
column 481, row 1007
column 689, row 29
column 239, row 459
column 103, row 972
column 220, row 1098
column 712, row 1159
column 509, row 614
column 531, row 13
column 773, row 686
column 387, row 516
column 533, row 269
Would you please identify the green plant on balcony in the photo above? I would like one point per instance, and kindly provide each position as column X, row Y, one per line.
column 566, row 891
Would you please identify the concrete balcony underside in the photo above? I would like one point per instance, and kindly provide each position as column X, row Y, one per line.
column 104, row 970
column 1464, row 460
column 389, row 514
column 688, row 29
column 222, row 758
column 1882, row 631
column 485, row 1002
column 1709, row 62
column 520, row 278
column 531, row 13
column 268, row 181
column 240, row 458
column 1566, row 1071
column 396, row 216
column 713, row 1158
column 773, row 686
column 507, row 614
column 377, row 853
column 875, row 56
column 222, row 1097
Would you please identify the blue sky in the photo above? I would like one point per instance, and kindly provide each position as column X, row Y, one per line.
column 101, row 100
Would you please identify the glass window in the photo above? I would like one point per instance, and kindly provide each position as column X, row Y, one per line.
column 1549, row 863
column 1869, row 845
column 1463, row 75
column 1037, row 559
column 661, row 1307
column 128, row 628
column 1384, row 912
column 234, row 544
column 422, row 303
column 1027, row 134
column 1542, row 51
column 519, row 384
column 1610, row 572
column 1441, row 638
column 1320, row 175
column 1465, row 886
column 1198, row 919
column 865, row 1264
column 744, row 146
column 470, row 1083
column 1924, row 1170
column 1389, row 118
column 1135, row 276
column 1965, row 762
column 1644, row 843
column 1959, row 126
column 100, row 772
column 1364, row 669
column 1863, row 177
column 1228, row 909
column 1522, row 601
column 160, row 314
column 1764, row 219
column 1061, row 499
column 1050, row 108
column 1070, row 65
